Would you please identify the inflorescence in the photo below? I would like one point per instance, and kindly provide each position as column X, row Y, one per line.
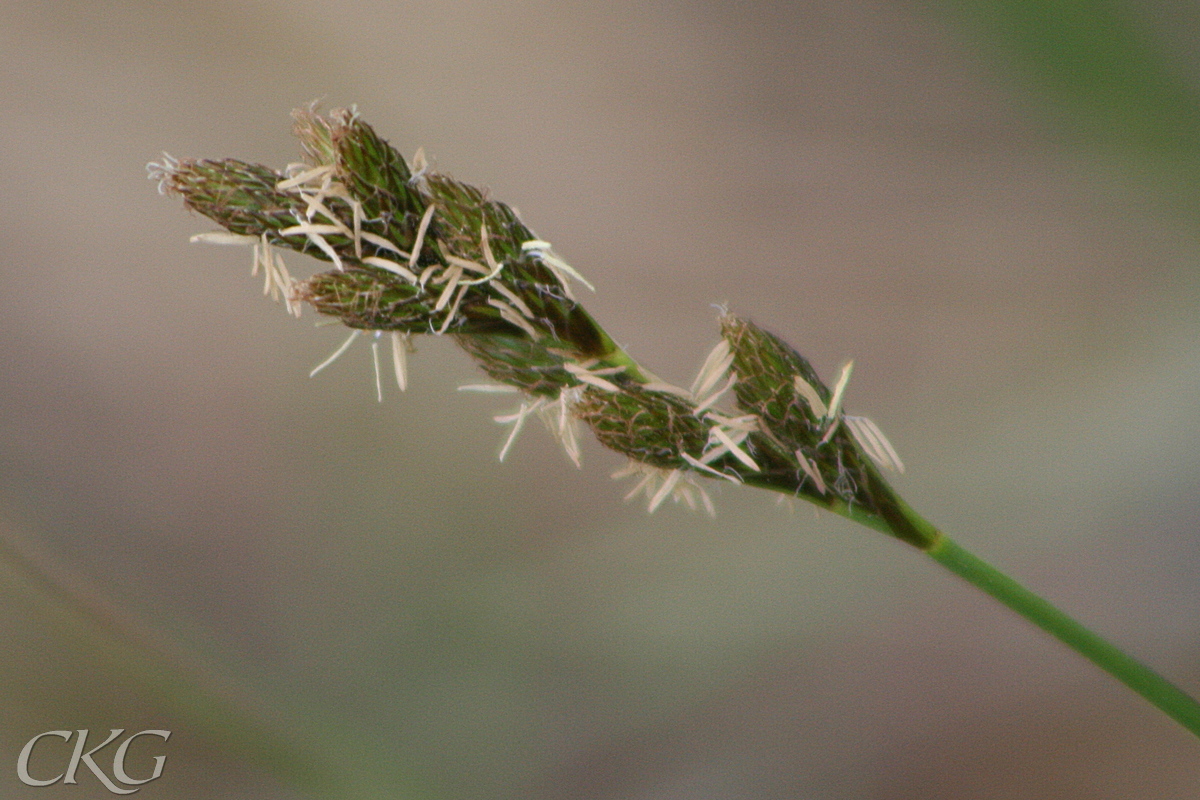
column 416, row 252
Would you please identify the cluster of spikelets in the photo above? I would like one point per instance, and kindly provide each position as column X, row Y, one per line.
column 417, row 252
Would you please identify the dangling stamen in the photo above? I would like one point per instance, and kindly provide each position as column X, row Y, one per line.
column 805, row 390
column 420, row 240
column 839, row 390
column 336, row 353
column 400, row 358
column 718, row 362
column 665, row 490
column 375, row 360
column 810, row 469
column 874, row 443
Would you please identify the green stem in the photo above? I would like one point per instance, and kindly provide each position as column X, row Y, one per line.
column 895, row 517
column 1163, row 694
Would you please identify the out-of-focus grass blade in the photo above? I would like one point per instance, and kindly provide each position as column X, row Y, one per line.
column 221, row 711
column 1109, row 78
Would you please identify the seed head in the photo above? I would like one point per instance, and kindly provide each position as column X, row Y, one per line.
column 415, row 252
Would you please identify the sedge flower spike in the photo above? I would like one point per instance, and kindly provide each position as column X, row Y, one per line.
column 415, row 252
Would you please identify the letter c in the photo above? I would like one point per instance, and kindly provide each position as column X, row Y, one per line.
column 27, row 751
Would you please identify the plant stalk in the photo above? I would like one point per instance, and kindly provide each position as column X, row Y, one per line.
column 900, row 520
column 1156, row 689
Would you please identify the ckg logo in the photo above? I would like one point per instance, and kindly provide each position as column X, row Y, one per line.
column 120, row 780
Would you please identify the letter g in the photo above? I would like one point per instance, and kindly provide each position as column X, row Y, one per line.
column 119, row 759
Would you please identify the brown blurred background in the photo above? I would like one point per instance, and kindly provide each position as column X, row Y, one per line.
column 1009, row 256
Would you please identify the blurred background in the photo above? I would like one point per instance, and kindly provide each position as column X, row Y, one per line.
column 991, row 207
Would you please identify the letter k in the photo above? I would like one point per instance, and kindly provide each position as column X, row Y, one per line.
column 86, row 758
